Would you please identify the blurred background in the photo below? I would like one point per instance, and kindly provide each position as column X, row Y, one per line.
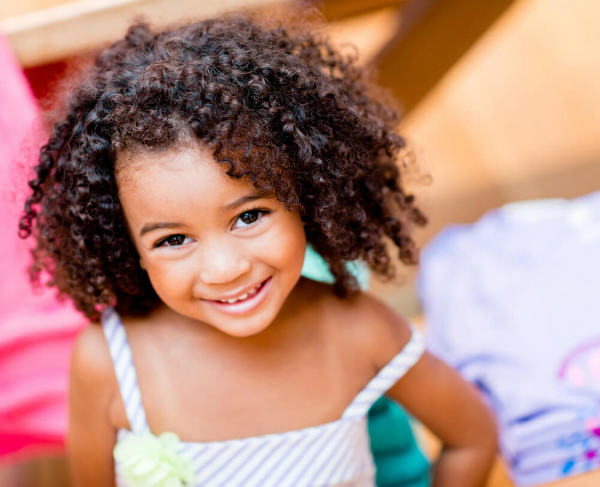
column 501, row 101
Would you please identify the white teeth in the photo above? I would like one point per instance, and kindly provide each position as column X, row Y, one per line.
column 242, row 297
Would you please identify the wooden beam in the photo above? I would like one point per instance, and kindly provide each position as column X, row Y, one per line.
column 335, row 10
column 522, row 104
column 22, row 7
column 66, row 30
column 371, row 33
column 442, row 33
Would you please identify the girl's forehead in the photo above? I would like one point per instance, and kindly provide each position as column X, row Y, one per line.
column 174, row 176
column 141, row 162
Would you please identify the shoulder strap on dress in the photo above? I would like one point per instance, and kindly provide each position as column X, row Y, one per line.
column 114, row 331
column 388, row 375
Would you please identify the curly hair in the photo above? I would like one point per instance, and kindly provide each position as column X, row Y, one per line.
column 275, row 105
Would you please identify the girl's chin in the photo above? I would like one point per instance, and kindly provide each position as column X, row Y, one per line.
column 241, row 330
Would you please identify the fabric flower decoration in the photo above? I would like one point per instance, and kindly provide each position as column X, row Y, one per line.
column 145, row 460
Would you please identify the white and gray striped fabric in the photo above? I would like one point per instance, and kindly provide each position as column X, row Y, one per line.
column 332, row 454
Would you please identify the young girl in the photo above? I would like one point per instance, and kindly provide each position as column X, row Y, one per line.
column 173, row 203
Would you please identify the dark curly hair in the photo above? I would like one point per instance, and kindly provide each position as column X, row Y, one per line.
column 276, row 105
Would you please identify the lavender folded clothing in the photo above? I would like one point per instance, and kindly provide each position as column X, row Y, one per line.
column 513, row 303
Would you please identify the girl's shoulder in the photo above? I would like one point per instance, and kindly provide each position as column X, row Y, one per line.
column 90, row 359
column 92, row 373
column 369, row 326
column 91, row 356
column 92, row 377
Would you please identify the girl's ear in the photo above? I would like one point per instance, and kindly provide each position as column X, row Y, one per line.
column 142, row 264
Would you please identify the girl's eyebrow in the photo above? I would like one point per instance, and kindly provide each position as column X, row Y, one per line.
column 245, row 199
column 150, row 227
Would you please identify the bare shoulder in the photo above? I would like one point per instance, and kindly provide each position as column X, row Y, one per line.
column 91, row 364
column 91, row 433
column 379, row 329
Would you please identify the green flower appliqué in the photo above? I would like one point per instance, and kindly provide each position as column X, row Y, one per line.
column 146, row 460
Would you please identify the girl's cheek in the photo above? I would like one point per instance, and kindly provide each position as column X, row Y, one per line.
column 287, row 247
column 170, row 276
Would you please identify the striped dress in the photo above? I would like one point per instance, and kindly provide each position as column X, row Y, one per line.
column 332, row 454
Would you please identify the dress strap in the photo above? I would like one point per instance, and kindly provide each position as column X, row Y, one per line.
column 387, row 376
column 114, row 331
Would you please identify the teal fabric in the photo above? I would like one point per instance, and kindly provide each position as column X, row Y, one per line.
column 316, row 268
column 399, row 461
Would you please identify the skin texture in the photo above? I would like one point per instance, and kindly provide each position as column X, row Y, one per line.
column 295, row 361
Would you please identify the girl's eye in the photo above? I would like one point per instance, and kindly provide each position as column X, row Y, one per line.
column 248, row 218
column 172, row 241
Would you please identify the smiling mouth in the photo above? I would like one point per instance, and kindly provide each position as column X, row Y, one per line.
column 243, row 297
column 244, row 303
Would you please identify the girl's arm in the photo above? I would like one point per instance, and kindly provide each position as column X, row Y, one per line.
column 440, row 398
column 91, row 437
column 453, row 410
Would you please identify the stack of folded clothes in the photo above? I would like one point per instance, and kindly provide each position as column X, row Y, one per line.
column 513, row 303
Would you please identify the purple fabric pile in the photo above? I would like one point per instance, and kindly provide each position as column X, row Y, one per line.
column 513, row 303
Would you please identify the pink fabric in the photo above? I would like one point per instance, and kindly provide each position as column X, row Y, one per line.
column 36, row 331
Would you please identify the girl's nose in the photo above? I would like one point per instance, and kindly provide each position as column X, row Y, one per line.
column 223, row 263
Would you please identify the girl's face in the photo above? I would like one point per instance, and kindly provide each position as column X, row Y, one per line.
column 215, row 249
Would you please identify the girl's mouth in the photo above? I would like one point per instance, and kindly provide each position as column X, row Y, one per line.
column 246, row 302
